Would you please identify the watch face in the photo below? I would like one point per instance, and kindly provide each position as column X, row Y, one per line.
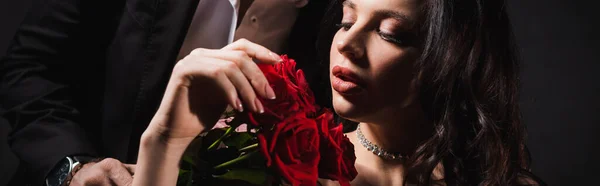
column 59, row 174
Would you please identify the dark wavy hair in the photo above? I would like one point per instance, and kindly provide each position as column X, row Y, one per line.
column 468, row 80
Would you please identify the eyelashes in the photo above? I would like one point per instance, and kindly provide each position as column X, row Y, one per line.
column 389, row 37
column 345, row 26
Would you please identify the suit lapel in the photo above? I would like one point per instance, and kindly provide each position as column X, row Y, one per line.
column 159, row 27
column 171, row 22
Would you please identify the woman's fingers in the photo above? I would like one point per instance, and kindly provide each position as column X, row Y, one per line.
column 193, row 70
column 242, row 85
column 228, row 76
column 235, row 62
column 231, row 91
column 249, row 69
column 255, row 51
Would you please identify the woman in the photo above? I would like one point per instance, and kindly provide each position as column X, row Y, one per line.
column 432, row 84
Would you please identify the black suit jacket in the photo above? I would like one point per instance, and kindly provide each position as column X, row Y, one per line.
column 86, row 77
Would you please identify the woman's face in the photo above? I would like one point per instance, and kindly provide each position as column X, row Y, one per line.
column 372, row 58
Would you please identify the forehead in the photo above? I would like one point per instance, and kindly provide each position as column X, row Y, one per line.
column 406, row 7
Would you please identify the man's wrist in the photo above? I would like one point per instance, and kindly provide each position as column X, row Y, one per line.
column 83, row 159
column 64, row 170
column 79, row 162
column 72, row 174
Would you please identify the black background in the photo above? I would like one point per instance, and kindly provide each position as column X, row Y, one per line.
column 559, row 41
column 560, row 99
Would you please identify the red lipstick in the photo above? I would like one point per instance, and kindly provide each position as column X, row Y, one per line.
column 346, row 82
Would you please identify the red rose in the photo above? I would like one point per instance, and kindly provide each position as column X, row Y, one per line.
column 289, row 139
column 299, row 147
column 337, row 152
column 292, row 149
column 292, row 91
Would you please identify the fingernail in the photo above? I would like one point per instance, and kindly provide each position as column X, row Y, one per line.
column 259, row 106
column 238, row 104
column 270, row 92
column 275, row 57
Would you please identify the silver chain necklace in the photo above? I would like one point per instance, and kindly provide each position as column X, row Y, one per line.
column 376, row 149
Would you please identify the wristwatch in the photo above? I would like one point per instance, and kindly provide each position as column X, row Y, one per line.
column 62, row 172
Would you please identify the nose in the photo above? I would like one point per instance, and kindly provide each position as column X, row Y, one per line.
column 351, row 44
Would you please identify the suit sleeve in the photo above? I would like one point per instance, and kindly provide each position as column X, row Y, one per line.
column 34, row 94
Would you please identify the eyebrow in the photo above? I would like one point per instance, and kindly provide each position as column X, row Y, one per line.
column 349, row 4
column 394, row 14
column 388, row 13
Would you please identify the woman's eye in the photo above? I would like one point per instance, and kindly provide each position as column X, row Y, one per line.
column 345, row 26
column 390, row 37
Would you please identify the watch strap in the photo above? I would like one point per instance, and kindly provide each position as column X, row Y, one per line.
column 85, row 159
column 74, row 170
column 78, row 162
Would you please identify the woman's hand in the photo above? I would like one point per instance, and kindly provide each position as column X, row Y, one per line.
column 205, row 82
column 199, row 90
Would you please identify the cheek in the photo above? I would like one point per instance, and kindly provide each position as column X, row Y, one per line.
column 390, row 62
column 393, row 73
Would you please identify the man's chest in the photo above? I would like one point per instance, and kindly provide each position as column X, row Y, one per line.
column 217, row 23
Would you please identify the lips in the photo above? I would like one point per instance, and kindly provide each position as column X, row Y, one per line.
column 346, row 82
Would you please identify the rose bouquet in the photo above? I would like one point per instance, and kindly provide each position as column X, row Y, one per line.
column 294, row 142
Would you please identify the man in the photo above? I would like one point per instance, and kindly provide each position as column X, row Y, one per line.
column 8, row 161
column 82, row 79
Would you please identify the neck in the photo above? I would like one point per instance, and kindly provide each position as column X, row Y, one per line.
column 402, row 132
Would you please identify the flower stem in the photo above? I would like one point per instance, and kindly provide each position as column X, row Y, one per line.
column 249, row 147
column 215, row 144
column 236, row 160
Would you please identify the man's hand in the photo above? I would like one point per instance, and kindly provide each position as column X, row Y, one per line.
column 106, row 172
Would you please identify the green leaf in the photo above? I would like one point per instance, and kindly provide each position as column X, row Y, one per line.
column 190, row 178
column 217, row 142
column 249, row 147
column 211, row 136
column 256, row 177
column 188, row 159
column 184, row 178
column 257, row 162
column 182, row 172
column 238, row 140
column 237, row 160
column 221, row 155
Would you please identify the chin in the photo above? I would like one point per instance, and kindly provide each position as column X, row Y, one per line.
column 348, row 109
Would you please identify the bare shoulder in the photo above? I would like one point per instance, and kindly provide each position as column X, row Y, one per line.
column 526, row 178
